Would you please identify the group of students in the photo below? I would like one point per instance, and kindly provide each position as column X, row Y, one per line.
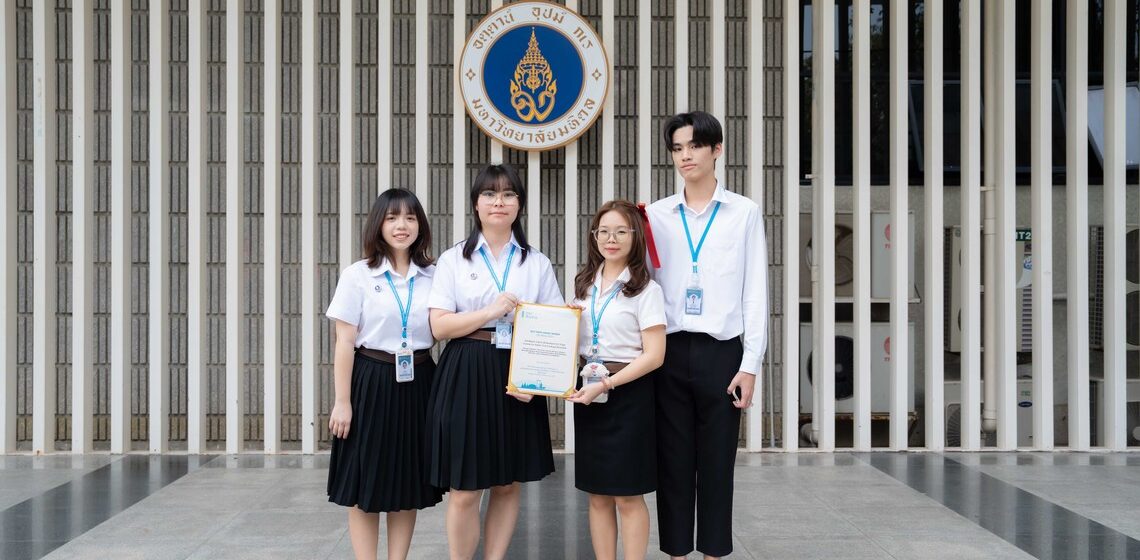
column 678, row 341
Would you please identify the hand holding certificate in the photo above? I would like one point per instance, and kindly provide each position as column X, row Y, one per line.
column 544, row 350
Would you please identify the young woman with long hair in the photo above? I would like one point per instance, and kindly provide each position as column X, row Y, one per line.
column 479, row 436
column 622, row 340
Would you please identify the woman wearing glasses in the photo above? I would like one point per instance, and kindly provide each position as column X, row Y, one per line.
column 622, row 339
column 383, row 373
column 479, row 436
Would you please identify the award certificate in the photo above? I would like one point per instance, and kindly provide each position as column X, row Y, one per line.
column 544, row 350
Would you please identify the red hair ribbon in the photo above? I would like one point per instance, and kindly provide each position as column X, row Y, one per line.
column 649, row 236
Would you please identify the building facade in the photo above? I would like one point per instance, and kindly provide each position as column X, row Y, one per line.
column 184, row 180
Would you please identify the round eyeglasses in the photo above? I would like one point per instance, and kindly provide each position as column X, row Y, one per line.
column 507, row 197
column 602, row 234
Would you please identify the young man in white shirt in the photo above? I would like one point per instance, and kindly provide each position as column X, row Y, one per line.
column 714, row 273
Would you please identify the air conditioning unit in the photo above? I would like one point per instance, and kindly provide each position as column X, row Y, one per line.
column 845, row 255
column 845, row 368
column 1131, row 412
column 952, row 298
column 953, row 399
column 1025, row 404
column 1131, row 289
column 881, row 255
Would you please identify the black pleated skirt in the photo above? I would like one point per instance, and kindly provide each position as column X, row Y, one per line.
column 615, row 442
column 380, row 467
column 477, row 435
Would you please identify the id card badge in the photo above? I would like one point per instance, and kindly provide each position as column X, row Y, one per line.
column 503, row 333
column 694, row 300
column 594, row 372
column 405, row 366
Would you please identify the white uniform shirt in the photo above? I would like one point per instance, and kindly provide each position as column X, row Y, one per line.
column 619, row 329
column 364, row 299
column 467, row 285
column 733, row 266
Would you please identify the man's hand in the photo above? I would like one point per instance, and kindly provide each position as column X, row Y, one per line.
column 746, row 382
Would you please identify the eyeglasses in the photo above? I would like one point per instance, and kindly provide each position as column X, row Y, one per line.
column 619, row 235
column 508, row 197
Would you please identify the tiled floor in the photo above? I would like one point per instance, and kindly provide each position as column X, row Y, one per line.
column 842, row 505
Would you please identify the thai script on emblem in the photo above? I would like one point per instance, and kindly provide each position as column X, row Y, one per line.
column 533, row 75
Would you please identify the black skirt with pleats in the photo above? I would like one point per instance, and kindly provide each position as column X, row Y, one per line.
column 478, row 436
column 380, row 467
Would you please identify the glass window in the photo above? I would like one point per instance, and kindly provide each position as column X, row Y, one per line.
column 880, row 93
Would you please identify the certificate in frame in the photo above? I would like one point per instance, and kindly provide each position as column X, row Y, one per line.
column 544, row 350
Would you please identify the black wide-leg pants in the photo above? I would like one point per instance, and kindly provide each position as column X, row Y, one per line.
column 697, row 436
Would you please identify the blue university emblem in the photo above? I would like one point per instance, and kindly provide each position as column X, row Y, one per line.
column 534, row 75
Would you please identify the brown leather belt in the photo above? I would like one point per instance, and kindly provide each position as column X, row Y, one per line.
column 612, row 367
column 485, row 336
column 418, row 357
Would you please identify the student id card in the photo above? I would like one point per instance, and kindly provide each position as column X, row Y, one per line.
column 694, row 300
column 405, row 366
column 503, row 334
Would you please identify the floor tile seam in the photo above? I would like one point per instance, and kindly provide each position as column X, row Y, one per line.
column 42, row 491
column 1109, row 526
column 100, row 519
column 914, row 494
column 966, row 526
column 978, row 472
column 256, row 539
column 1003, row 476
column 266, row 475
column 1046, row 499
column 222, row 526
column 866, row 538
column 141, row 505
column 306, row 542
column 1071, row 507
column 200, row 544
column 88, row 536
column 880, row 545
column 859, row 530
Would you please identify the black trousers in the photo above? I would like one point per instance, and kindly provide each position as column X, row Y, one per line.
column 698, row 429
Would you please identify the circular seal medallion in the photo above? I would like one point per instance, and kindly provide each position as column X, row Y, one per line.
column 534, row 75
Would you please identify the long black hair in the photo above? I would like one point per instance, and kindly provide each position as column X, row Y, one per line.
column 500, row 177
column 395, row 201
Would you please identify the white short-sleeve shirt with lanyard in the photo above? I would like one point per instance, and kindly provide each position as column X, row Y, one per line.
column 620, row 319
column 365, row 300
column 733, row 265
column 470, row 284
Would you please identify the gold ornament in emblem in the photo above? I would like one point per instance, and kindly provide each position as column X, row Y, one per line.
column 533, row 73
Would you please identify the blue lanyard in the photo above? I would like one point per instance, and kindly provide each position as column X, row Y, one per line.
column 404, row 311
column 502, row 286
column 595, row 315
column 689, row 236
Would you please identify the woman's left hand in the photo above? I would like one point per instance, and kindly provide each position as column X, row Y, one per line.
column 521, row 396
column 587, row 394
